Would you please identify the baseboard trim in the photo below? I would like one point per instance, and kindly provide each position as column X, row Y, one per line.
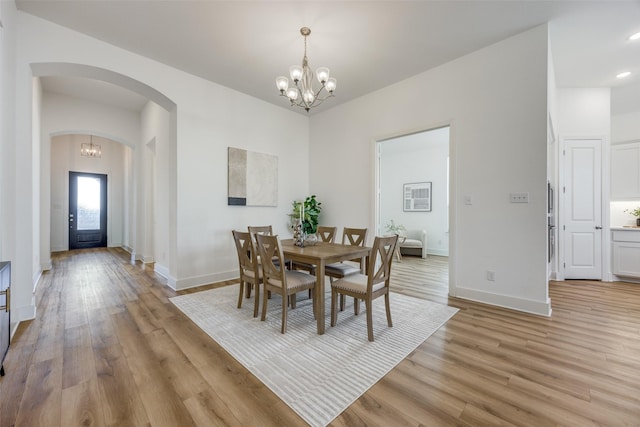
column 26, row 312
column 625, row 279
column 207, row 279
column 437, row 252
column 520, row 304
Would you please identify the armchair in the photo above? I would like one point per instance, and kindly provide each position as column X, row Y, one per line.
column 415, row 243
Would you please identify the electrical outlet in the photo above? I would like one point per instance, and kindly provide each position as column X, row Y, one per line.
column 519, row 197
column 491, row 275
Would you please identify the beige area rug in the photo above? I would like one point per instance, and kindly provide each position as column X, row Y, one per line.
column 319, row 375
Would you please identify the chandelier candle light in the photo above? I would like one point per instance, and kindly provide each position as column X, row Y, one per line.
column 90, row 149
column 301, row 93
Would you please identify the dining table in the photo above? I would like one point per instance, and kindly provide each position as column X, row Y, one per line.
column 321, row 254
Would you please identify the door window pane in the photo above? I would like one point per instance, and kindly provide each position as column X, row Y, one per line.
column 88, row 203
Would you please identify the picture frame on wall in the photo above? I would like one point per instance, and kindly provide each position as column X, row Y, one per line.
column 417, row 197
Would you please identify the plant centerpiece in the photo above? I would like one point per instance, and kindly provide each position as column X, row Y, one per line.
column 635, row 212
column 307, row 212
column 394, row 228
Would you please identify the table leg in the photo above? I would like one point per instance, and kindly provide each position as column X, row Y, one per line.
column 319, row 302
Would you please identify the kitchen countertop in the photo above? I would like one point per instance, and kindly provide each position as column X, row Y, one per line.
column 626, row 227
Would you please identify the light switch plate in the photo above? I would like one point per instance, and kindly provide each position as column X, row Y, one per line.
column 519, row 197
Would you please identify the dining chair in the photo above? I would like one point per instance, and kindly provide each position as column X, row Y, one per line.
column 277, row 279
column 261, row 229
column 326, row 234
column 370, row 286
column 340, row 270
column 250, row 273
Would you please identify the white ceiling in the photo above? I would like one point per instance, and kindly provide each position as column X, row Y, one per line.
column 367, row 45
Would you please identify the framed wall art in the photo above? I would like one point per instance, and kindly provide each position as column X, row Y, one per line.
column 252, row 178
column 417, row 197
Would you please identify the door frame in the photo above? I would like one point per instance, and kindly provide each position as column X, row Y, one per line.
column 375, row 179
column 104, row 201
column 605, row 250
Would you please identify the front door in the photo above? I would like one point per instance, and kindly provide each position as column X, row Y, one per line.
column 582, row 209
column 87, row 210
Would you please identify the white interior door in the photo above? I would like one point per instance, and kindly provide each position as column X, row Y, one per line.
column 582, row 209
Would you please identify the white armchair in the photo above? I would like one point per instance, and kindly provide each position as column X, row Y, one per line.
column 415, row 243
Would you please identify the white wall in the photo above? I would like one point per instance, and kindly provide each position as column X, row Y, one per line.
column 64, row 115
column 208, row 119
column 496, row 102
column 625, row 127
column 155, row 131
column 419, row 157
column 65, row 158
column 552, row 157
column 7, row 157
column 586, row 113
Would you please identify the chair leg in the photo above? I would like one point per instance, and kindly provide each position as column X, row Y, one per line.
column 334, row 300
column 356, row 306
column 256, row 303
column 240, row 294
column 248, row 290
column 264, row 306
column 293, row 298
column 368, row 304
column 285, row 309
column 387, row 307
column 342, row 298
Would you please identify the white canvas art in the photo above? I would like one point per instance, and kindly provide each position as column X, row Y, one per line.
column 253, row 178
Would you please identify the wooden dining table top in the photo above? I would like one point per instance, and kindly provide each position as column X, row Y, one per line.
column 320, row 254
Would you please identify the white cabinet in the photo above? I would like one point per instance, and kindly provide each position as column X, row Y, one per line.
column 625, row 171
column 626, row 253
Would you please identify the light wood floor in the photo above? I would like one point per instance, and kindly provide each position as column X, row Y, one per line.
column 109, row 349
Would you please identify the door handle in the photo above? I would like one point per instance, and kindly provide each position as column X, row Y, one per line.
column 598, row 227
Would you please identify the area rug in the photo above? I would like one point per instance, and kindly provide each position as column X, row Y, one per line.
column 318, row 376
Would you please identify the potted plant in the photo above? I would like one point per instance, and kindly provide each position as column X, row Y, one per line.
column 635, row 212
column 308, row 212
column 394, row 228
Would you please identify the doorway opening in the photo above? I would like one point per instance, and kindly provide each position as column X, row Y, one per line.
column 87, row 210
column 411, row 166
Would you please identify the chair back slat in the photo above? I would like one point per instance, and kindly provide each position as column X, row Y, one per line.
column 354, row 236
column 327, row 234
column 270, row 252
column 260, row 229
column 246, row 250
column 380, row 260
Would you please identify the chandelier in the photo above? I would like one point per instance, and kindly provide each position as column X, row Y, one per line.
column 90, row 149
column 302, row 93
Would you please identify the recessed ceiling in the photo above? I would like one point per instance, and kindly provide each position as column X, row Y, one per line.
column 367, row 45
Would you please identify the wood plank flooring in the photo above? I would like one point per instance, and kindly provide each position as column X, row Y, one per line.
column 109, row 349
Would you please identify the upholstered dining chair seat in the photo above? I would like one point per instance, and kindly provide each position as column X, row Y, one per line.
column 295, row 280
column 342, row 269
column 252, row 275
column 356, row 283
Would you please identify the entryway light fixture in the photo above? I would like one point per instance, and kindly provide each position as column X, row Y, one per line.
column 90, row 149
column 302, row 93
